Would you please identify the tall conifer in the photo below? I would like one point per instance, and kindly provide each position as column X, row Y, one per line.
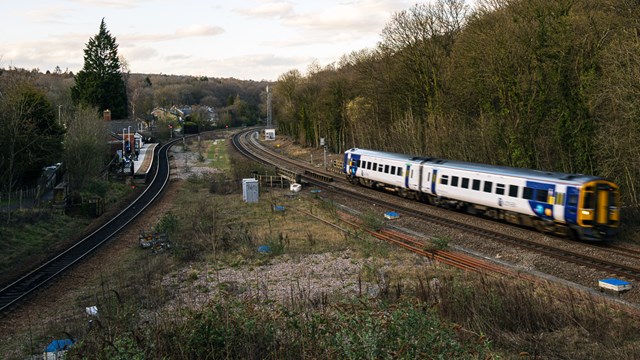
column 99, row 83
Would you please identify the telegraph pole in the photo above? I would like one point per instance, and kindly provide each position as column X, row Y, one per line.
column 268, row 108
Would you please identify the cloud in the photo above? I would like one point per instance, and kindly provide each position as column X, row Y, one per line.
column 248, row 67
column 268, row 9
column 122, row 4
column 188, row 32
column 48, row 14
column 363, row 16
column 138, row 53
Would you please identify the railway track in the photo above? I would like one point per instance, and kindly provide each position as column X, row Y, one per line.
column 12, row 294
column 247, row 144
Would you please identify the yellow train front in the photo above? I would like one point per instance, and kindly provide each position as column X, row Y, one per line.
column 598, row 211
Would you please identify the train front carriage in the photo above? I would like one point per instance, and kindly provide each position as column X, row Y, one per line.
column 598, row 210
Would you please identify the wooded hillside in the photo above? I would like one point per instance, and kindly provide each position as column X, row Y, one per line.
column 545, row 84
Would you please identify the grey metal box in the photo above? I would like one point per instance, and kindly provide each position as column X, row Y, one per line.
column 250, row 190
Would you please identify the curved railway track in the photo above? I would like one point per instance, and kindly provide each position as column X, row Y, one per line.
column 244, row 141
column 12, row 294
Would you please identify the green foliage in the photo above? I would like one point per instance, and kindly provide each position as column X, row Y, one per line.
column 437, row 243
column 233, row 329
column 31, row 136
column 540, row 84
column 372, row 221
column 190, row 127
column 168, row 223
column 100, row 84
column 29, row 236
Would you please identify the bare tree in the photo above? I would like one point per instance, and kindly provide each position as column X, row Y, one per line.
column 85, row 146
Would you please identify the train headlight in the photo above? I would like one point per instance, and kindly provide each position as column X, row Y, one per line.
column 586, row 212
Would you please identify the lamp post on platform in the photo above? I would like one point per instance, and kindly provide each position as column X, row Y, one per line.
column 123, row 129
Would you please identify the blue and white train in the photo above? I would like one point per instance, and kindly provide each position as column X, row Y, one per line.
column 578, row 206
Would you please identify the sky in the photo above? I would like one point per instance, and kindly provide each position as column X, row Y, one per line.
column 243, row 39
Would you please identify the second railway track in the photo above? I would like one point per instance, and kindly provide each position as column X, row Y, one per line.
column 623, row 268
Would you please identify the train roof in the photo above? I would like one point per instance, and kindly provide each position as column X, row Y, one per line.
column 388, row 155
column 484, row 168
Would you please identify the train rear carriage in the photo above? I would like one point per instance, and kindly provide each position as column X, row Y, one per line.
column 585, row 207
column 378, row 169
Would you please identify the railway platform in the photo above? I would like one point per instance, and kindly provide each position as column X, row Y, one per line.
column 144, row 163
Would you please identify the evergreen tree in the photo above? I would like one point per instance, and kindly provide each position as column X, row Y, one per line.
column 99, row 84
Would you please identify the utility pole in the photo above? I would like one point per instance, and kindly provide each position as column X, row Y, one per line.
column 324, row 147
column 268, row 108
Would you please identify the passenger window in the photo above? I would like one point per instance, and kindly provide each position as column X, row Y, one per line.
column 380, row 167
column 541, row 195
column 369, row 165
column 399, row 171
column 476, row 184
column 500, row 189
column 444, row 180
column 527, row 193
column 513, row 190
column 454, row 181
column 488, row 186
column 465, row 183
column 429, row 177
column 386, row 169
column 573, row 200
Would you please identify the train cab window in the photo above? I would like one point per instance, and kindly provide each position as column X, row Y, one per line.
column 513, row 190
column 541, row 195
column 527, row 193
column 559, row 198
column 454, row 181
column 476, row 184
column 444, row 180
column 488, row 186
column 500, row 189
column 465, row 183
column 386, row 169
column 589, row 200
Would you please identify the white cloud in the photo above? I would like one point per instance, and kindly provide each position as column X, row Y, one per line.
column 188, row 32
column 268, row 9
column 122, row 4
column 364, row 16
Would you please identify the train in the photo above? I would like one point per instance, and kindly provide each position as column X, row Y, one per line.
column 581, row 207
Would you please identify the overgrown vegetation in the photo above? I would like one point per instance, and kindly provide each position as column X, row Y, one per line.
column 30, row 236
column 542, row 84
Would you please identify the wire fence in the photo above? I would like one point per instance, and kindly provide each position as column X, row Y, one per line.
column 24, row 198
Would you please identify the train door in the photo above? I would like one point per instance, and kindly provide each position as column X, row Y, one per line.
column 433, row 180
column 407, row 172
column 571, row 205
